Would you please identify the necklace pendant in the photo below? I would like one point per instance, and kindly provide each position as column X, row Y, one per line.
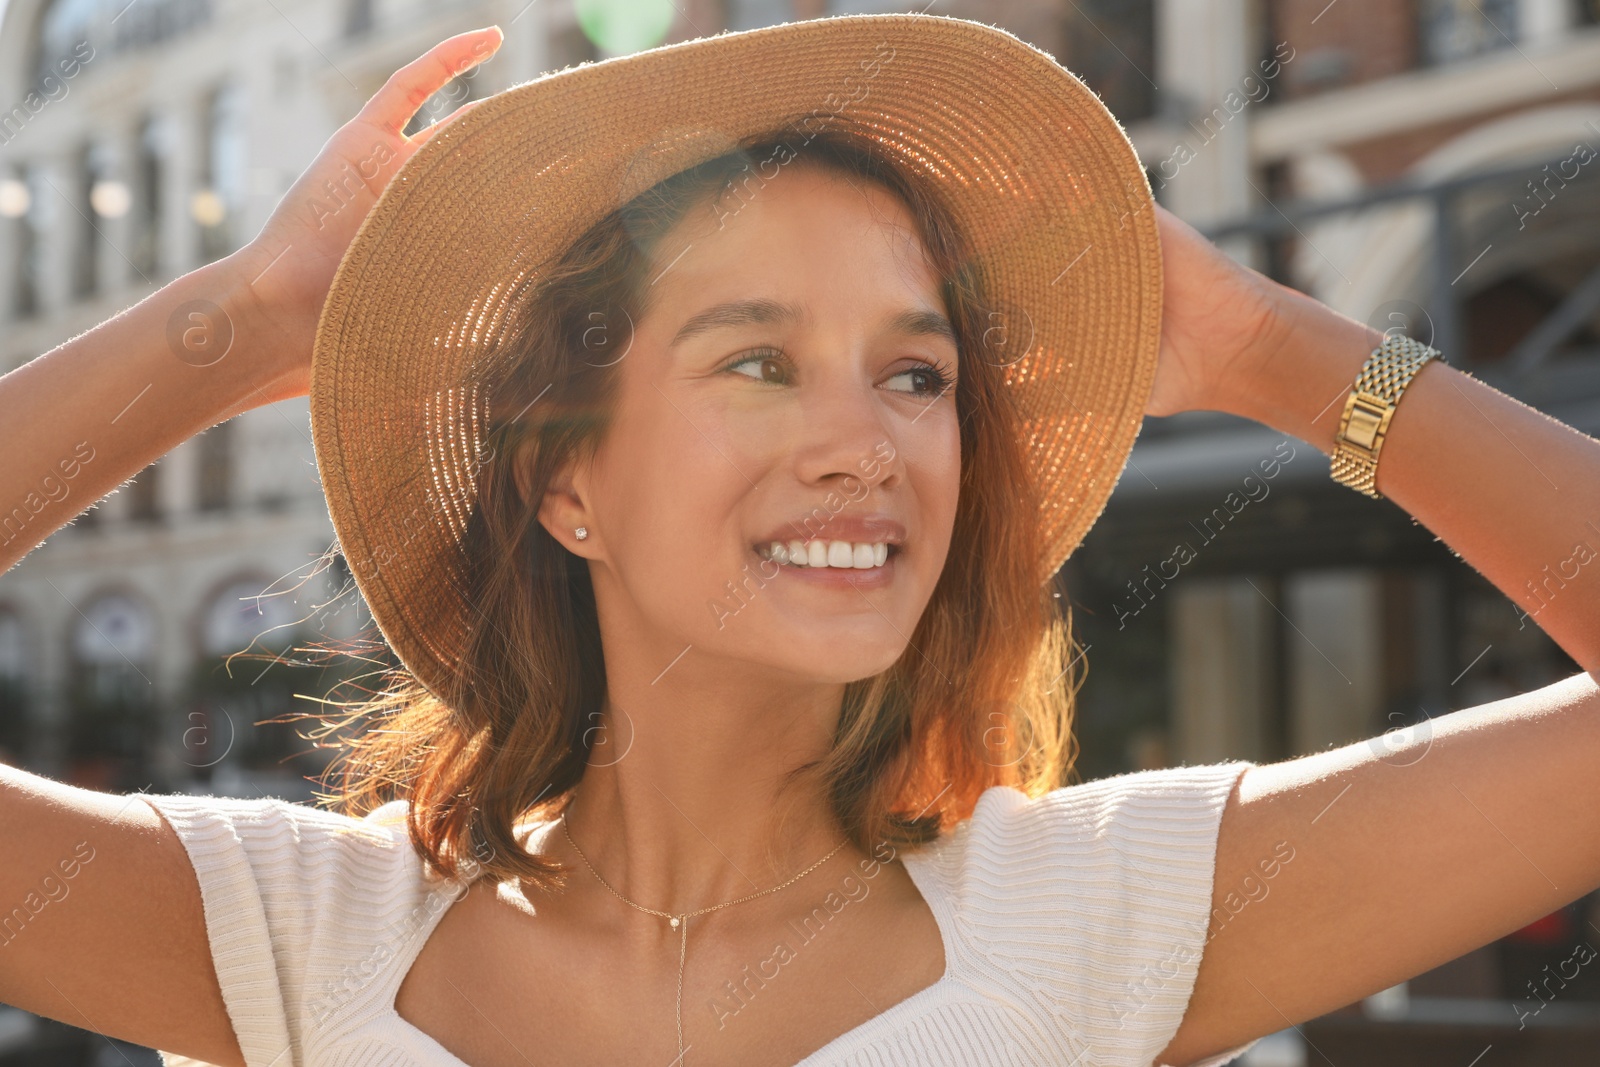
column 674, row 922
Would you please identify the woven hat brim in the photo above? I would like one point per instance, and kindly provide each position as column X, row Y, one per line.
column 1040, row 176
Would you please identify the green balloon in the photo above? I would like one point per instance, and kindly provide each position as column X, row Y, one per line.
column 623, row 26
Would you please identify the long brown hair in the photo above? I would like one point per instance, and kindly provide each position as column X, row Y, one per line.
column 982, row 696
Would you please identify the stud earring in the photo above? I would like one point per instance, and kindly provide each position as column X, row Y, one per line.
column 581, row 533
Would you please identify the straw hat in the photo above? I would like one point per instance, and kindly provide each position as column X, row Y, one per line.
column 1040, row 176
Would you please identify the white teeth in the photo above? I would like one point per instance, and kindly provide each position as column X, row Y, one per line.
column 841, row 555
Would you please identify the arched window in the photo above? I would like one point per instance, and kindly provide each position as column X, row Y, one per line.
column 114, row 641
column 245, row 612
column 111, row 698
column 236, row 698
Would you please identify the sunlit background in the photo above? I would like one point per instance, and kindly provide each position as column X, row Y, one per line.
column 1426, row 165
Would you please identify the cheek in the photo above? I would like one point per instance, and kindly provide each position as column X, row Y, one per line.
column 664, row 495
column 932, row 457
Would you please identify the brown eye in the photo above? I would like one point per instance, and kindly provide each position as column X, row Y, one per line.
column 923, row 381
column 766, row 364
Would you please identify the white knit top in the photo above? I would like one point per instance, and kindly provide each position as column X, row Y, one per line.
column 1073, row 925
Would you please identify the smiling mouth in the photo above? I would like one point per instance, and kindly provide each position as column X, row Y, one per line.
column 839, row 555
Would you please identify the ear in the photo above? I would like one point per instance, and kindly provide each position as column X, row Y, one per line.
column 564, row 508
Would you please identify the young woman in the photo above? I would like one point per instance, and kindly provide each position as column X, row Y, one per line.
column 736, row 728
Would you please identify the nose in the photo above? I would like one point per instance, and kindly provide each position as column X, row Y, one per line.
column 844, row 441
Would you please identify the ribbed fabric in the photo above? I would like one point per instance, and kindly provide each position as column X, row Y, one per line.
column 1073, row 925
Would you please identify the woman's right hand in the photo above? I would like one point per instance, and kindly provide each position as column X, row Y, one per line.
column 94, row 411
column 284, row 273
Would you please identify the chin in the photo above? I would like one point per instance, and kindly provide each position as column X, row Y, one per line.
column 823, row 659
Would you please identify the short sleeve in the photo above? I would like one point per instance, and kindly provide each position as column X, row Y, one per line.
column 1092, row 903
column 292, row 895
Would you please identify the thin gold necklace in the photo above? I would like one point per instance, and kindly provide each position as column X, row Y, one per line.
column 681, row 922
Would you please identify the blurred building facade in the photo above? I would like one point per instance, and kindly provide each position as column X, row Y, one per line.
column 145, row 141
column 1426, row 165
column 1421, row 166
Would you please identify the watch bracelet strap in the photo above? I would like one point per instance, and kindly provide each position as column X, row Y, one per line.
column 1392, row 365
column 1385, row 376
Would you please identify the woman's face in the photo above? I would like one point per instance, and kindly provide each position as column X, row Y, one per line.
column 792, row 381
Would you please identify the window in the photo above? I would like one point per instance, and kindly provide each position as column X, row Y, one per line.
column 63, row 29
column 217, row 204
column 144, row 499
column 19, row 202
column 86, row 250
column 149, row 175
column 358, row 17
column 14, row 730
column 235, row 697
column 110, row 696
column 215, row 489
column 1457, row 29
column 77, row 32
column 250, row 611
column 1111, row 45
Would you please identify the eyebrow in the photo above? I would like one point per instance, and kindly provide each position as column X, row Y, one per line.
column 761, row 311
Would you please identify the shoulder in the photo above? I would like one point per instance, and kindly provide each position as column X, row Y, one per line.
column 1137, row 822
column 1090, row 903
column 285, row 843
column 1178, row 807
column 305, row 908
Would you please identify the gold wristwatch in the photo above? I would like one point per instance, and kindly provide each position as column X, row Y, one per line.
column 1371, row 405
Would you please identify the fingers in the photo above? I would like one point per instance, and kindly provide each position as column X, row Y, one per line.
column 410, row 87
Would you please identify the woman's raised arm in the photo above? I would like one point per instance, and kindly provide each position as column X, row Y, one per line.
column 101, row 922
column 1403, row 859
column 232, row 335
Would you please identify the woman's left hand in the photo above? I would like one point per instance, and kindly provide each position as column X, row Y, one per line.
column 1219, row 322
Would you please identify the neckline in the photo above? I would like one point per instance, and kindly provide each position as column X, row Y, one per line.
column 918, row 866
